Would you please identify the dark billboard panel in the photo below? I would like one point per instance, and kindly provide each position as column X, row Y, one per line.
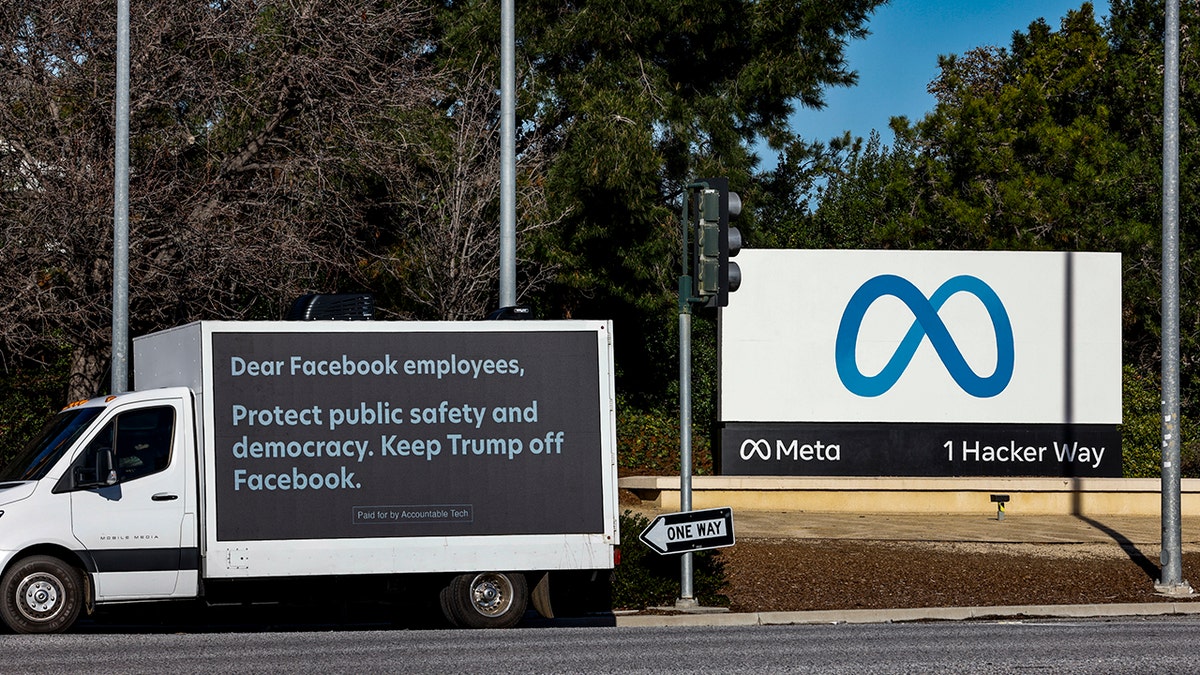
column 327, row 435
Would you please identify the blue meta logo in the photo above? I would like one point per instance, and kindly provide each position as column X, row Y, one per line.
column 927, row 324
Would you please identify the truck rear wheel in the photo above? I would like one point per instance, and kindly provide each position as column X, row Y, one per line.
column 568, row 593
column 40, row 594
column 448, row 608
column 486, row 599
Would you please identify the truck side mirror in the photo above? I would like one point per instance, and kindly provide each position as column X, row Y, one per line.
column 101, row 475
column 104, row 462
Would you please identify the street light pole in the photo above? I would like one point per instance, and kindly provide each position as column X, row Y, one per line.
column 1171, row 581
column 120, row 260
column 508, row 132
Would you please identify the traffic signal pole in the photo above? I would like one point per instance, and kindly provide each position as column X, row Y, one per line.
column 709, row 281
column 687, row 598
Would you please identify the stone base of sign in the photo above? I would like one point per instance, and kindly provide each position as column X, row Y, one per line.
column 1031, row 496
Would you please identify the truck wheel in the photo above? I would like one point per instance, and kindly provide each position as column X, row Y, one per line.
column 486, row 599
column 569, row 593
column 447, row 602
column 40, row 594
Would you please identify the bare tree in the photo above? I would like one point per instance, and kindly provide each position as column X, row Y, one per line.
column 447, row 262
column 266, row 140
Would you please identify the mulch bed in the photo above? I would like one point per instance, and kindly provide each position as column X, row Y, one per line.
column 805, row 574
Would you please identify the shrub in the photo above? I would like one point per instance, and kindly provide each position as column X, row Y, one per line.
column 646, row 579
column 648, row 443
column 1141, row 432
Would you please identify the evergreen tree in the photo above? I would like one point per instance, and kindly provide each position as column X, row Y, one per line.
column 634, row 100
column 1052, row 143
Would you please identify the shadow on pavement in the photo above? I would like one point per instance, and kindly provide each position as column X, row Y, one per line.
column 198, row 617
column 1135, row 554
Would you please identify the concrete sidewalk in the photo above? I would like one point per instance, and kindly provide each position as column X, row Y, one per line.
column 1006, row 613
column 1119, row 530
column 1015, row 528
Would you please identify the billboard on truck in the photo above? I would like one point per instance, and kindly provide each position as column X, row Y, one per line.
column 331, row 431
column 922, row 363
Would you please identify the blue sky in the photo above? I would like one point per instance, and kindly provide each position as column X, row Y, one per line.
column 898, row 59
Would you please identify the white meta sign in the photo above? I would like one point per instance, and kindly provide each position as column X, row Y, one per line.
column 944, row 337
column 690, row 531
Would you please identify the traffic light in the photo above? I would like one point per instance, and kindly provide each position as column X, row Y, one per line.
column 716, row 276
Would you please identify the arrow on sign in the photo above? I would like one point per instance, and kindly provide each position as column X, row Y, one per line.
column 690, row 531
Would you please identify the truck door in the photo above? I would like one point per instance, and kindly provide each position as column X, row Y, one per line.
column 135, row 532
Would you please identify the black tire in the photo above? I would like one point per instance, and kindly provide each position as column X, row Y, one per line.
column 486, row 599
column 41, row 594
column 571, row 593
column 448, row 611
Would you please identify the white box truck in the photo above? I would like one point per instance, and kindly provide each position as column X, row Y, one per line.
column 477, row 459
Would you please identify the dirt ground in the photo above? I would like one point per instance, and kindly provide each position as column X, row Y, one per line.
column 907, row 568
column 820, row 574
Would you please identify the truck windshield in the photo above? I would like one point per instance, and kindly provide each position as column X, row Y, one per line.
column 44, row 451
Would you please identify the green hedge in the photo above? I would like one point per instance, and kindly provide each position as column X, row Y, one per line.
column 646, row 579
column 1141, row 432
column 648, row 443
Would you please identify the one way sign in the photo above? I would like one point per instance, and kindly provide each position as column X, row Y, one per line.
column 690, row 531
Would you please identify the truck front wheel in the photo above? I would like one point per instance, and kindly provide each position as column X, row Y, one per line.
column 486, row 599
column 40, row 594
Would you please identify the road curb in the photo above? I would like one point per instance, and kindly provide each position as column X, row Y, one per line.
column 915, row 614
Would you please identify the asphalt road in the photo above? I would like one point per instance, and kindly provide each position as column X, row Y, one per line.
column 1145, row 645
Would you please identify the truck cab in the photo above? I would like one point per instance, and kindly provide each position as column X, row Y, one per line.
column 100, row 507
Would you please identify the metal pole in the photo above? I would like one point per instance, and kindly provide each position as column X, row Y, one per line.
column 1172, row 548
column 687, row 597
column 508, row 183
column 120, row 324
column 686, row 594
